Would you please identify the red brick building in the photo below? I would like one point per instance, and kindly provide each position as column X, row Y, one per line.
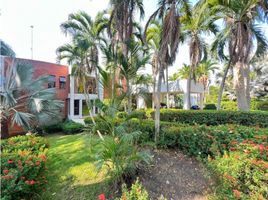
column 58, row 78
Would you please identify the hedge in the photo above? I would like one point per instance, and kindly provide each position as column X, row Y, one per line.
column 211, row 117
column 196, row 140
column 23, row 165
column 68, row 127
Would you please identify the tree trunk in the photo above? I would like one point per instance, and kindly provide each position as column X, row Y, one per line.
column 188, row 99
column 157, row 104
column 97, row 84
column 4, row 129
column 167, row 87
column 222, row 86
column 247, row 83
column 129, row 98
column 239, row 85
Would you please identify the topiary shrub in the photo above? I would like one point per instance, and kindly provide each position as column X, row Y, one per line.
column 210, row 107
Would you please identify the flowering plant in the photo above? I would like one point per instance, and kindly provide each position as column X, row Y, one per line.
column 22, row 170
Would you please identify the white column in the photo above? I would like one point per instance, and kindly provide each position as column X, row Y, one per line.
column 71, row 97
column 185, row 101
column 80, row 108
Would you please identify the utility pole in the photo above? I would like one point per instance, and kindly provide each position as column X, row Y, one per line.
column 31, row 41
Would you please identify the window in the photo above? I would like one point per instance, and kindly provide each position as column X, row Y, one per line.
column 62, row 82
column 51, row 81
column 76, row 107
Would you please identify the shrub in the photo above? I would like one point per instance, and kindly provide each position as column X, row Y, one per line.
column 136, row 192
column 139, row 114
column 229, row 105
column 262, row 105
column 70, row 127
column 210, row 107
column 243, row 172
column 54, row 128
column 210, row 117
column 22, row 167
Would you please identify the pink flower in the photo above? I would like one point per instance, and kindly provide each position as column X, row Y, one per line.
column 102, row 197
column 10, row 161
column 237, row 193
column 5, row 171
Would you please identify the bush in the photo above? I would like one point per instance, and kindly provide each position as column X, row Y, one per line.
column 262, row 105
column 139, row 114
column 23, row 161
column 242, row 172
column 210, row 107
column 53, row 128
column 70, row 127
column 136, row 192
column 210, row 117
column 229, row 105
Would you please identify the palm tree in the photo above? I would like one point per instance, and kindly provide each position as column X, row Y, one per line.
column 24, row 100
column 153, row 40
column 85, row 34
column 130, row 65
column 6, row 50
column 168, row 12
column 194, row 27
column 203, row 76
column 122, row 19
column 184, row 73
column 240, row 30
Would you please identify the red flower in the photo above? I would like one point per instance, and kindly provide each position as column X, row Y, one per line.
column 261, row 148
column 101, row 197
column 5, row 171
column 37, row 162
column 10, row 161
column 32, row 182
column 237, row 193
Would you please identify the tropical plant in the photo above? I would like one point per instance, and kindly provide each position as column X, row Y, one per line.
column 203, row 76
column 6, row 50
column 118, row 151
column 130, row 66
column 153, row 34
column 122, row 20
column 24, row 100
column 200, row 22
column 241, row 29
column 168, row 13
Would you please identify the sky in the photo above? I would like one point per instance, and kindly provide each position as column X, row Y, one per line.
column 16, row 17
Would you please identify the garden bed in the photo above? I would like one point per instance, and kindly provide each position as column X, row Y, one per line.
column 175, row 176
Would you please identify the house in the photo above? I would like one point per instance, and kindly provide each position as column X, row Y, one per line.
column 177, row 89
column 67, row 87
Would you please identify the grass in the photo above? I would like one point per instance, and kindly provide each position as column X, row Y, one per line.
column 71, row 170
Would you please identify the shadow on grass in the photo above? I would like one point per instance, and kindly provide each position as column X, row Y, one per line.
column 72, row 173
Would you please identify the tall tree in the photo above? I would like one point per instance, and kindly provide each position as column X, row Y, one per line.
column 241, row 18
column 168, row 13
column 199, row 23
column 85, row 34
column 153, row 37
column 122, row 19
column 204, row 71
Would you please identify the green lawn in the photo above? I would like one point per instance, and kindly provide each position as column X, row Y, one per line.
column 71, row 170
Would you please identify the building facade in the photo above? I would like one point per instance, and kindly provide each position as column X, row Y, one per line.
column 68, row 88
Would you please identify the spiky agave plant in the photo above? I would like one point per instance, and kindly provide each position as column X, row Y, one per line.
column 24, row 100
